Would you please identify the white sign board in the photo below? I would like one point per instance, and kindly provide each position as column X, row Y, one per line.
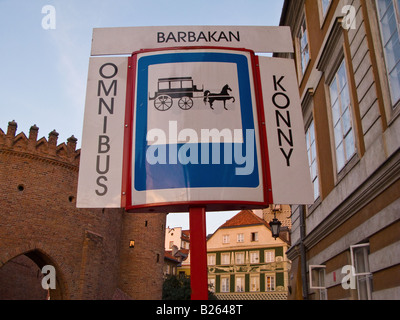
column 100, row 172
column 125, row 40
column 290, row 175
column 192, row 120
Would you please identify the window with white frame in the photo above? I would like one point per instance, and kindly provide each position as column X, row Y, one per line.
column 225, row 257
column 360, row 262
column 269, row 282
column 240, row 237
column 389, row 21
column 269, row 256
column 254, row 256
column 240, row 283
column 254, row 236
column 317, row 280
column 303, row 46
column 312, row 158
column 224, row 284
column 239, row 258
column 225, row 238
column 254, row 283
column 342, row 118
column 211, row 259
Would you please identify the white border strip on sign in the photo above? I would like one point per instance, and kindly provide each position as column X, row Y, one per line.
column 100, row 171
column 125, row 40
column 290, row 174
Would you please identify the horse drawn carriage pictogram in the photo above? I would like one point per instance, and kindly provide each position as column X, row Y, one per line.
column 182, row 88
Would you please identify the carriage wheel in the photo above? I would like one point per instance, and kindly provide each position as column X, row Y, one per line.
column 185, row 103
column 163, row 103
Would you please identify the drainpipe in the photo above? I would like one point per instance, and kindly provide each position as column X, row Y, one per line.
column 303, row 252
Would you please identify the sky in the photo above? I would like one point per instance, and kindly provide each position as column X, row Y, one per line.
column 44, row 71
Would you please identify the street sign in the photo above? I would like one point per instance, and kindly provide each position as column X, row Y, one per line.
column 195, row 131
column 191, row 121
column 125, row 40
column 100, row 171
column 290, row 175
column 168, row 128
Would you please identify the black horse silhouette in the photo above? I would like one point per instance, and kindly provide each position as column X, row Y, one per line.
column 223, row 96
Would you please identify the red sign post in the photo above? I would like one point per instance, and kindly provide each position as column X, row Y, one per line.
column 198, row 253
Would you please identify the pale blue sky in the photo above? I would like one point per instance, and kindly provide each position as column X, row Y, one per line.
column 44, row 72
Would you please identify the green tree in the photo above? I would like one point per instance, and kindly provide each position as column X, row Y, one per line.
column 178, row 288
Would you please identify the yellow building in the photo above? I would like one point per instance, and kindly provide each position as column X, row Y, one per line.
column 245, row 262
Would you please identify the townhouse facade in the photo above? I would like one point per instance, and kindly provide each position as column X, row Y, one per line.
column 347, row 55
column 245, row 262
column 177, row 245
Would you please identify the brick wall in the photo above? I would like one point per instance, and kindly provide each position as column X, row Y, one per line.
column 39, row 218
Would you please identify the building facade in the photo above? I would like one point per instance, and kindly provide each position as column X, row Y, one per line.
column 347, row 54
column 95, row 253
column 177, row 243
column 245, row 262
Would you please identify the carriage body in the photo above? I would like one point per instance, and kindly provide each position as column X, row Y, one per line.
column 181, row 88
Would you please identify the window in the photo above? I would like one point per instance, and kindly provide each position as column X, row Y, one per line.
column 225, row 258
column 254, row 256
column 341, row 117
column 240, row 237
column 312, row 158
column 240, row 283
column 269, row 256
column 360, row 262
column 175, row 85
column 269, row 282
column 317, row 280
column 325, row 6
column 187, row 84
column 239, row 257
column 254, row 236
column 171, row 244
column 389, row 20
column 224, row 284
column 254, row 283
column 163, row 85
column 303, row 46
column 211, row 259
column 225, row 238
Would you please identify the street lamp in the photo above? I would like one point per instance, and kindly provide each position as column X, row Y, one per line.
column 275, row 225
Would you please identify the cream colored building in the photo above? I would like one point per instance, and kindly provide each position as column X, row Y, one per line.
column 177, row 243
column 245, row 262
column 347, row 56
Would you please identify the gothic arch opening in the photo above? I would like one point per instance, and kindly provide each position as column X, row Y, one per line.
column 21, row 278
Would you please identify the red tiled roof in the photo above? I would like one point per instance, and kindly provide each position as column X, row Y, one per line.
column 185, row 235
column 243, row 218
column 168, row 255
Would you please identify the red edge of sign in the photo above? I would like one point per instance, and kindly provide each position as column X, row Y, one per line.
column 263, row 132
column 126, row 197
